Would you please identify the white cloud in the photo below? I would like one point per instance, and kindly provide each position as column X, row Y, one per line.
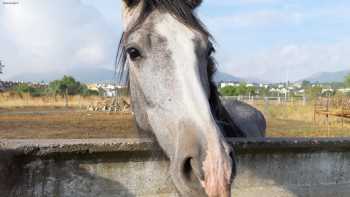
column 242, row 2
column 255, row 19
column 293, row 61
column 42, row 36
column 268, row 41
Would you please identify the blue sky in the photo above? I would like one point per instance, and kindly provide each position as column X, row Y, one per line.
column 273, row 40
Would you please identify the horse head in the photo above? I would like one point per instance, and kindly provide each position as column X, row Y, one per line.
column 166, row 52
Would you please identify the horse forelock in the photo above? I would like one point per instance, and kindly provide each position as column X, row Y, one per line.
column 177, row 8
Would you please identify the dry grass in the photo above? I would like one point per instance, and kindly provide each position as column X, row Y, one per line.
column 13, row 100
column 65, row 124
column 296, row 120
column 44, row 117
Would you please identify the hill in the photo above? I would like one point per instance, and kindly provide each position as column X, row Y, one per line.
column 328, row 77
column 101, row 75
column 86, row 75
column 221, row 76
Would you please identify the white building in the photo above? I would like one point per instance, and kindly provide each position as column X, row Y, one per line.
column 344, row 90
column 107, row 90
column 229, row 83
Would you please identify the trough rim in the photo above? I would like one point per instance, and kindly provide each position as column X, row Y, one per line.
column 47, row 147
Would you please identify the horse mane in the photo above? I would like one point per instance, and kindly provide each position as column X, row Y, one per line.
column 184, row 13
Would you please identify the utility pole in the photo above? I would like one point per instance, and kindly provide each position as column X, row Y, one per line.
column 1, row 67
column 1, row 83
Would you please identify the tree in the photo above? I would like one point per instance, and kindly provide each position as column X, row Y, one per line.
column 251, row 91
column 27, row 89
column 241, row 90
column 54, row 87
column 64, row 87
column 229, row 91
column 313, row 92
column 85, row 91
column 263, row 91
column 347, row 80
column 70, row 86
column 306, row 84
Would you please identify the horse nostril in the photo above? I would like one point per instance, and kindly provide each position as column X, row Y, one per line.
column 232, row 155
column 186, row 174
column 187, row 170
column 133, row 53
column 191, row 170
column 234, row 164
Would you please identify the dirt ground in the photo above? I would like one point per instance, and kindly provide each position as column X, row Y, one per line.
column 56, row 123
column 64, row 123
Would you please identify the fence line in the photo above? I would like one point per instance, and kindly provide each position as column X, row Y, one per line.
column 332, row 106
column 266, row 99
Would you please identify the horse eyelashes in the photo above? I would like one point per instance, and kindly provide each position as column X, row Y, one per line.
column 132, row 3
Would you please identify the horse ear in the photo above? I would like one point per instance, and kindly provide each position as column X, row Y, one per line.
column 194, row 3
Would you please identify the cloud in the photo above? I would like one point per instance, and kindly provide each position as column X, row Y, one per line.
column 243, row 2
column 274, row 40
column 292, row 61
column 255, row 19
column 256, row 38
column 49, row 36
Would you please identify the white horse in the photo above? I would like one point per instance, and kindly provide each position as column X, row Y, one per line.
column 167, row 54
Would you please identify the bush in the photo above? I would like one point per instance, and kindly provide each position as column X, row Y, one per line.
column 347, row 80
column 27, row 89
column 314, row 92
column 66, row 86
column 84, row 91
column 229, row 91
column 240, row 90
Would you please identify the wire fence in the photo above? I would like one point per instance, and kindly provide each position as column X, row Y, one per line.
column 332, row 107
column 302, row 100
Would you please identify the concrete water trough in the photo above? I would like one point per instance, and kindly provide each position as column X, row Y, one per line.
column 136, row 167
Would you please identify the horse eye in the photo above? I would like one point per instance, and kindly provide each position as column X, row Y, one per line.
column 211, row 50
column 133, row 53
column 131, row 3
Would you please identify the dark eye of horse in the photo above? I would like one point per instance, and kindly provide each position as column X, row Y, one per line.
column 133, row 53
column 131, row 3
column 211, row 50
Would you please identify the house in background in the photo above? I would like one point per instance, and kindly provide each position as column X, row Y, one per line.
column 107, row 90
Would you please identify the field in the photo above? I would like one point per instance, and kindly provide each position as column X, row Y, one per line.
column 61, row 123
column 297, row 120
column 21, row 118
column 11, row 100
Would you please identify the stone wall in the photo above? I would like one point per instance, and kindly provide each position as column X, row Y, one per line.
column 136, row 167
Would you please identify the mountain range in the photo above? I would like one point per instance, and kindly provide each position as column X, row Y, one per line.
column 86, row 75
column 103, row 75
column 97, row 75
column 327, row 77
